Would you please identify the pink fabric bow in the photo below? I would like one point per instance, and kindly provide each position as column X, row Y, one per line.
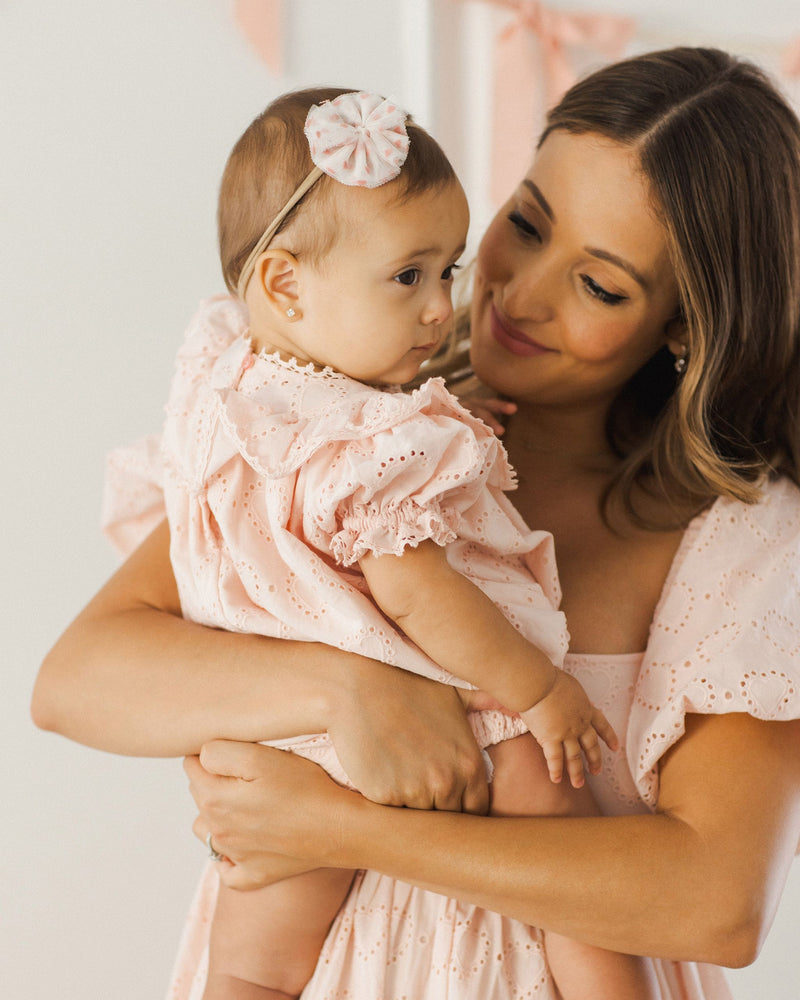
column 358, row 139
column 534, row 64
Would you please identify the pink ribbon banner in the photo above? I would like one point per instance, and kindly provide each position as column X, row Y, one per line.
column 537, row 57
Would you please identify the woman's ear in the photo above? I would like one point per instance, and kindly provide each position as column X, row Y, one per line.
column 677, row 336
column 276, row 279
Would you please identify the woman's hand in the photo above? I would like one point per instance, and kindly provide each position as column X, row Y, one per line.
column 405, row 740
column 270, row 813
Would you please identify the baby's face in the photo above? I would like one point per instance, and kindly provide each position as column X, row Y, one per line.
column 379, row 303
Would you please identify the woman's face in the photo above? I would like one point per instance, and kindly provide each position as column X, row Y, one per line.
column 574, row 289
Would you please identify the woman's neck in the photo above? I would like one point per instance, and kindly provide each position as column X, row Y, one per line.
column 566, row 441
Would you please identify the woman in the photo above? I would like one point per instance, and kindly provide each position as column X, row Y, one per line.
column 639, row 299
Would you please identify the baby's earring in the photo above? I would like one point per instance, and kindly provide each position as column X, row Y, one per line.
column 291, row 313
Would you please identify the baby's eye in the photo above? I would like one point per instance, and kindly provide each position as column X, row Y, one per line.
column 523, row 227
column 408, row 277
column 449, row 272
column 600, row 293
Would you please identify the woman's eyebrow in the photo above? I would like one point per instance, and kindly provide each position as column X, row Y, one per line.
column 543, row 202
column 626, row 266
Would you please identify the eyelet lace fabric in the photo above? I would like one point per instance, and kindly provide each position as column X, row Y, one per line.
column 726, row 634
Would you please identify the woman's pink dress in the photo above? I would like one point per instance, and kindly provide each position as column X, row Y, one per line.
column 725, row 638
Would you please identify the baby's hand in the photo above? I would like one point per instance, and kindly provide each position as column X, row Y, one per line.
column 566, row 725
column 489, row 410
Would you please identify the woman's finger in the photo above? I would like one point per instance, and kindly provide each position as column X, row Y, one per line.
column 232, row 760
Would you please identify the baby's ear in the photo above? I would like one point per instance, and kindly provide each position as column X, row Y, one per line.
column 276, row 279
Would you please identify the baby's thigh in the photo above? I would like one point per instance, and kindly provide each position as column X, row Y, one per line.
column 521, row 785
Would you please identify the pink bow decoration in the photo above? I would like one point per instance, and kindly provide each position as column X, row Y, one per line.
column 262, row 23
column 790, row 58
column 358, row 139
column 536, row 59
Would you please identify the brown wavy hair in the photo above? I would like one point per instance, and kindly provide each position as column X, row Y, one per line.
column 720, row 148
column 269, row 162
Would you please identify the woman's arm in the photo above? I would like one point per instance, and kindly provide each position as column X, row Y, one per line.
column 698, row 880
column 131, row 676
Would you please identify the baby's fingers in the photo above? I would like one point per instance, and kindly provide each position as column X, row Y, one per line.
column 591, row 750
column 554, row 755
column 604, row 730
column 574, row 755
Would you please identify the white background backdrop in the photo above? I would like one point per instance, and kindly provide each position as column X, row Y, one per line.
column 117, row 118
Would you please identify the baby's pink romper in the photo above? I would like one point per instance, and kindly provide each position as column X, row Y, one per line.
column 726, row 635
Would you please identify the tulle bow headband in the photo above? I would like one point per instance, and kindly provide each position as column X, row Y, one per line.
column 358, row 139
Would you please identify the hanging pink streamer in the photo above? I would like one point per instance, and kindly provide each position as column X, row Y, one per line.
column 536, row 59
column 262, row 23
column 790, row 59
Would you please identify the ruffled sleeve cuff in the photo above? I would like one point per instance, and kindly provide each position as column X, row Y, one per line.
column 392, row 529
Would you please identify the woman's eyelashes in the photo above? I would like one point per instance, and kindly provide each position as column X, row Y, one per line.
column 524, row 229
column 600, row 293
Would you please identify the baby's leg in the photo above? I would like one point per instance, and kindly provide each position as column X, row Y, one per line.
column 265, row 943
column 521, row 786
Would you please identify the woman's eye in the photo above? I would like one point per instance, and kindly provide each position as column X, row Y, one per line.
column 408, row 277
column 598, row 292
column 523, row 227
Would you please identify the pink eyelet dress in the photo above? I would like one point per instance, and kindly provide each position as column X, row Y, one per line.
column 246, row 436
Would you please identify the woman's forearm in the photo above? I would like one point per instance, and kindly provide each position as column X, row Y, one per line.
column 699, row 880
column 131, row 676
column 147, row 683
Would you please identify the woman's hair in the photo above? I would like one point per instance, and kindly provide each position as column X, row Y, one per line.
column 720, row 149
column 269, row 162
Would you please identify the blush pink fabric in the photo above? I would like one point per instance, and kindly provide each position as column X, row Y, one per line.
column 725, row 638
column 359, row 139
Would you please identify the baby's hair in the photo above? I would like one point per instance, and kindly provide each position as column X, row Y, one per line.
column 270, row 161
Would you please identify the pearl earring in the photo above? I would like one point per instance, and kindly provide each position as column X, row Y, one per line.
column 680, row 363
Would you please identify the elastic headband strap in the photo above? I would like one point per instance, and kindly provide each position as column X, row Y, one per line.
column 269, row 232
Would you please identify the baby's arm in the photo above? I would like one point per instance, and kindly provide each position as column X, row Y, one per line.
column 463, row 631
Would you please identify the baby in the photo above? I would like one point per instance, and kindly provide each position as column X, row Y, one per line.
column 308, row 497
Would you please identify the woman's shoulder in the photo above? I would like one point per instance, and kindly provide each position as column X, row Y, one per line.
column 735, row 535
column 726, row 634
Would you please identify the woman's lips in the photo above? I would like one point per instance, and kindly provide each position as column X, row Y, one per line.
column 512, row 339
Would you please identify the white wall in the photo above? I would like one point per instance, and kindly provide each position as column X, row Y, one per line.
column 117, row 119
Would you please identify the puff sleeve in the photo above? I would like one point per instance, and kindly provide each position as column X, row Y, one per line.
column 726, row 634
column 428, row 476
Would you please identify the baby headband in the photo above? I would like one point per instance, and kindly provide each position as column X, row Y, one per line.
column 359, row 139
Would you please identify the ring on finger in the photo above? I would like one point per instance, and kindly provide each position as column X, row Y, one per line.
column 212, row 852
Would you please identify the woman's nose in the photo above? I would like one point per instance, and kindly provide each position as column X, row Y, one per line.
column 529, row 294
column 439, row 306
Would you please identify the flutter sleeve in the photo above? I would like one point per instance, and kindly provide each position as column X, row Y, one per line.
column 133, row 494
column 726, row 634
